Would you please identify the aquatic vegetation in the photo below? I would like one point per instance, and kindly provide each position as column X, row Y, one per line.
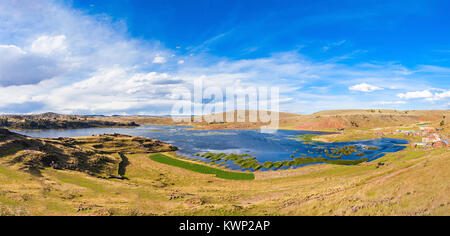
column 248, row 162
column 202, row 168
column 310, row 160
column 244, row 160
column 340, row 152
column 251, row 142
column 288, row 163
column 278, row 164
column 306, row 137
column 212, row 133
column 268, row 165
column 158, row 130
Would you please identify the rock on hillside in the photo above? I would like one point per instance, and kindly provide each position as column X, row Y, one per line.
column 96, row 155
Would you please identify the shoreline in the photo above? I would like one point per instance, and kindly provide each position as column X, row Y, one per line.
column 314, row 139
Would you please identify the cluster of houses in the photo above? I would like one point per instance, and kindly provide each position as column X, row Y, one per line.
column 430, row 138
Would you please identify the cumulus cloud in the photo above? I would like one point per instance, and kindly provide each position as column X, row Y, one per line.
column 364, row 88
column 443, row 95
column 390, row 102
column 79, row 43
column 114, row 90
column 159, row 60
column 417, row 94
column 64, row 60
column 47, row 44
column 428, row 95
column 17, row 67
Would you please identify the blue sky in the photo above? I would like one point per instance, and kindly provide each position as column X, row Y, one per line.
column 412, row 32
column 127, row 56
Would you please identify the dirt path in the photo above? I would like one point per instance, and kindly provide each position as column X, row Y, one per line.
column 381, row 178
column 332, row 192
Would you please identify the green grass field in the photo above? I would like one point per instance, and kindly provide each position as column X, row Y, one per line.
column 202, row 169
column 306, row 137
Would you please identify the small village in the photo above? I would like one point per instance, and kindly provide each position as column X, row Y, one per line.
column 432, row 138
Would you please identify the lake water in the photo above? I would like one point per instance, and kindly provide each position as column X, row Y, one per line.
column 276, row 146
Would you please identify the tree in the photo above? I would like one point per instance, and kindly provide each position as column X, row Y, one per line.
column 442, row 123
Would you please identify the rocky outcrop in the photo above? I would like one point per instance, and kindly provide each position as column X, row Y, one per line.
column 96, row 155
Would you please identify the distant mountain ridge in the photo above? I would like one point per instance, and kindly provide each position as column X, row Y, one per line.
column 57, row 121
column 323, row 120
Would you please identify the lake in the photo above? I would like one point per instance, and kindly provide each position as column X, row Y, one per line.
column 275, row 146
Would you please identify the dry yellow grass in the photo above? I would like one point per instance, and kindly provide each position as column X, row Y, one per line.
column 410, row 182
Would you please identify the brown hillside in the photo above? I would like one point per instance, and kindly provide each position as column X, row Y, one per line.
column 332, row 120
column 97, row 155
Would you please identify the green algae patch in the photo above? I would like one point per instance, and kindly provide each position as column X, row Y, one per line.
column 305, row 137
column 248, row 162
column 202, row 168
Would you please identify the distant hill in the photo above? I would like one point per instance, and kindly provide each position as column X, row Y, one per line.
column 332, row 120
column 363, row 119
column 323, row 120
column 57, row 121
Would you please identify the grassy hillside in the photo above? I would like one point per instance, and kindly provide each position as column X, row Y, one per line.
column 410, row 182
column 325, row 120
column 406, row 184
column 100, row 156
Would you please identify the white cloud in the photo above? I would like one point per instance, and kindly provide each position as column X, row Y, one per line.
column 390, row 103
column 114, row 90
column 47, row 44
column 332, row 45
column 417, row 94
column 365, row 88
column 77, row 63
column 159, row 60
column 442, row 95
column 17, row 67
column 428, row 95
column 11, row 51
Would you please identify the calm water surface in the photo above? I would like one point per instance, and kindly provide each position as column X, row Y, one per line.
column 276, row 146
